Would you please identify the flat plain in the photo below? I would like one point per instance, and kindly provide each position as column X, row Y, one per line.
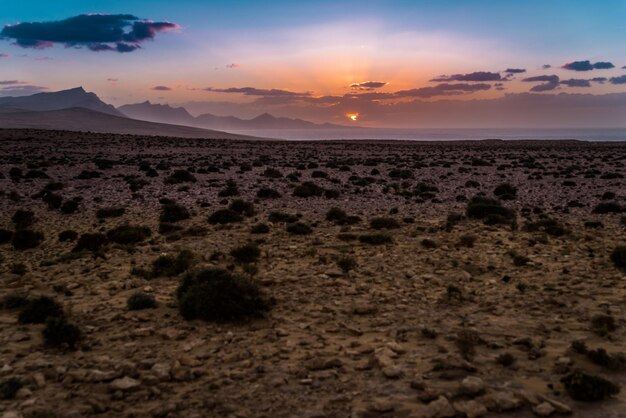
column 384, row 279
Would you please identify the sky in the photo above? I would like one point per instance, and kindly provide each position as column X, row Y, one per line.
column 374, row 63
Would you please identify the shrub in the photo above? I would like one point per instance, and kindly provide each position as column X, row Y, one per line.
column 242, row 207
column 69, row 207
column 68, row 235
column 490, row 210
column 168, row 227
column 217, row 295
column 608, row 207
column 5, row 236
column 618, row 256
column 53, row 200
column 548, row 225
column 467, row 241
column 346, row 263
column 331, row 194
column 299, row 228
column 272, row 173
column 22, row 219
column 173, row 212
column 428, row 243
column 230, row 190
column 505, row 191
column 168, row 265
column 336, row 215
column 37, row 310
column 603, row 325
column 129, row 234
column 24, row 239
column 140, row 300
column 248, row 253
column 59, row 332
column 588, row 388
column 282, row 217
column 505, row 359
column 466, row 342
column 267, row 193
column 19, row 269
column 13, row 301
column 375, row 239
column 384, row 223
column 9, row 387
column 260, row 229
column 114, row 212
column 90, row 242
column 308, row 189
column 180, row 176
column 224, row 216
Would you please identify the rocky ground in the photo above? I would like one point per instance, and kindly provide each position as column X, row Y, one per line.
column 407, row 305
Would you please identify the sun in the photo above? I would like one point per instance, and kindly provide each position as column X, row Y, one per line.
column 353, row 116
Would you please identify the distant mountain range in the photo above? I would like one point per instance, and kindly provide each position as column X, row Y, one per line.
column 180, row 116
column 77, row 109
column 83, row 120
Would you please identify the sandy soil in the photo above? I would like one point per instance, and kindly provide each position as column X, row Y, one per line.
column 381, row 340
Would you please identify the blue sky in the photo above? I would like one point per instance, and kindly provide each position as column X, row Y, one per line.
column 321, row 48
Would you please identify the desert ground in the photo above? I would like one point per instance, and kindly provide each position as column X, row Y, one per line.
column 168, row 277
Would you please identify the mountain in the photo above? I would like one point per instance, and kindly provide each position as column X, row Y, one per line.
column 155, row 112
column 64, row 99
column 81, row 119
column 180, row 116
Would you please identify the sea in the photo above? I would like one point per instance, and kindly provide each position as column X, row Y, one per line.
column 441, row 134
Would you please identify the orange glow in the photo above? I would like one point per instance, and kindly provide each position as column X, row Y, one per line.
column 353, row 116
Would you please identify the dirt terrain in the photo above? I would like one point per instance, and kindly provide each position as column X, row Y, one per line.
column 410, row 301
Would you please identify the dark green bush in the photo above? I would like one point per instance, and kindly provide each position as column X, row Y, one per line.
column 247, row 253
column 140, row 300
column 505, row 191
column 603, row 324
column 588, row 388
column 180, row 176
column 608, row 207
column 282, row 217
column 69, row 207
column 308, row 189
column 242, row 207
column 230, row 190
column 346, row 263
column 217, row 295
column 9, row 387
column 224, row 216
column 490, row 210
column 260, row 229
column 129, row 234
column 68, row 235
column 267, row 193
column 299, row 228
column 104, row 213
column 173, row 212
column 23, row 219
column 618, row 256
column 376, row 238
column 384, row 223
column 24, row 239
column 37, row 310
column 169, row 265
column 5, row 236
column 59, row 332
column 90, row 242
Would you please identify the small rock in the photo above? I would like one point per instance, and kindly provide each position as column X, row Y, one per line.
column 471, row 408
column 472, row 386
column 125, row 383
column 439, row 408
column 393, row 372
column 382, row 405
column 544, row 409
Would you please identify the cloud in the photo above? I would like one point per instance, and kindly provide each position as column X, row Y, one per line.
column 442, row 90
column 21, row 90
column 233, row 65
column 161, row 88
column 546, row 66
column 112, row 80
column 476, row 76
column 550, row 82
column 515, row 70
column 598, row 79
column 252, row 91
column 3, row 55
column 368, row 85
column 587, row 66
column 96, row 32
column 618, row 80
column 576, row 82
column 11, row 82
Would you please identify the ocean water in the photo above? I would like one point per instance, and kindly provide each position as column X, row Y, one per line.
column 606, row 134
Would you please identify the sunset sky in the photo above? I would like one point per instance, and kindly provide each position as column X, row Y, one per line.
column 320, row 60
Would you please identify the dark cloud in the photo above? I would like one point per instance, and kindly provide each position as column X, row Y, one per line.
column 542, row 78
column 161, row 88
column 598, row 79
column 442, row 90
column 546, row 66
column 368, row 85
column 4, row 55
column 587, row 66
column 515, row 70
column 618, row 80
column 476, row 76
column 11, row 82
column 252, row 91
column 112, row 80
column 21, row 90
column 544, row 87
column 233, row 65
column 96, row 32
column 576, row 82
